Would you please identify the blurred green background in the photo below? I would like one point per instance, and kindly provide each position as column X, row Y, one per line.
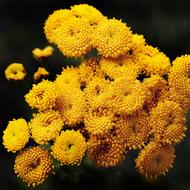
column 164, row 23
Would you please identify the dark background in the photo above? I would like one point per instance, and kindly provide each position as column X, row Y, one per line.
column 164, row 23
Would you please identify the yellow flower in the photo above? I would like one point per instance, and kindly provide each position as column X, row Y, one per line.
column 137, row 130
column 69, row 78
column 45, row 126
column 88, row 13
column 69, row 148
column 54, row 21
column 155, row 160
column 74, row 38
column 42, row 96
column 156, row 90
column 106, row 152
column 15, row 71
column 112, row 38
column 95, row 92
column 154, row 62
column 70, row 103
column 42, row 53
column 98, row 125
column 121, row 67
column 167, row 121
column 41, row 72
column 179, row 81
column 88, row 69
column 16, row 135
column 33, row 165
column 126, row 96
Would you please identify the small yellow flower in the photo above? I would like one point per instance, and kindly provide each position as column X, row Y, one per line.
column 88, row 13
column 153, row 62
column 156, row 90
column 106, row 152
column 68, row 78
column 33, row 165
column 179, row 81
column 54, row 21
column 155, row 160
column 94, row 92
column 167, row 121
column 45, row 126
column 137, row 130
column 88, row 69
column 98, row 125
column 16, row 135
column 121, row 67
column 41, row 72
column 42, row 96
column 69, row 147
column 15, row 71
column 112, row 38
column 126, row 96
column 42, row 53
column 70, row 103
column 74, row 38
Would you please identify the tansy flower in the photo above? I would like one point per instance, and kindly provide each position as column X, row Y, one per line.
column 45, row 126
column 42, row 53
column 167, row 121
column 41, row 72
column 112, row 38
column 74, row 38
column 126, row 96
column 156, row 90
column 69, row 147
column 42, row 96
column 153, row 62
column 94, row 92
column 33, row 165
column 155, row 160
column 89, row 69
column 88, row 13
column 15, row 71
column 106, row 152
column 54, row 21
column 69, row 78
column 179, row 81
column 137, row 130
column 70, row 103
column 98, row 125
column 121, row 67
column 16, row 135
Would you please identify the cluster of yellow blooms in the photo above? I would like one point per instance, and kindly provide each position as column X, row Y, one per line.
column 128, row 97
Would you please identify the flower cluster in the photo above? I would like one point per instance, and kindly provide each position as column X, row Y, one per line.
column 126, row 97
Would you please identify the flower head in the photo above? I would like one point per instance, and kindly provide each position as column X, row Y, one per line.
column 16, row 135
column 155, row 160
column 179, row 81
column 41, row 72
column 69, row 147
column 112, row 38
column 167, row 121
column 45, row 126
column 42, row 53
column 106, row 152
column 54, row 21
column 15, row 71
column 74, row 38
column 33, row 165
column 89, row 14
column 42, row 95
